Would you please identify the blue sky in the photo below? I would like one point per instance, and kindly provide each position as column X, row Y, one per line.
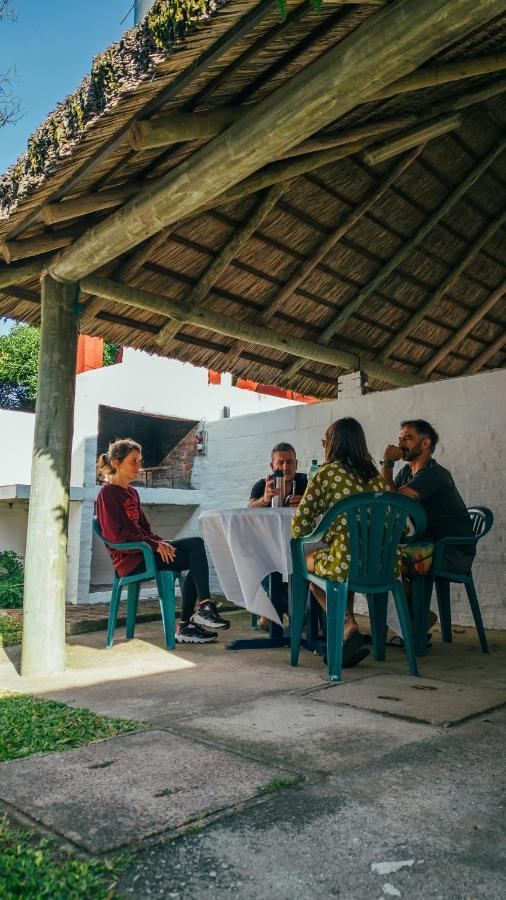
column 51, row 45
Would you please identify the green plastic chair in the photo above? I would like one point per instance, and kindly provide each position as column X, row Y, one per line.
column 482, row 520
column 375, row 523
column 165, row 582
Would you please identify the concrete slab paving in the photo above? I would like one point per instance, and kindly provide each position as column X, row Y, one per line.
column 130, row 787
column 435, row 806
column 292, row 730
column 422, row 699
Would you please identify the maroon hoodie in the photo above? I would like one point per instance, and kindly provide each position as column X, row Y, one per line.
column 122, row 520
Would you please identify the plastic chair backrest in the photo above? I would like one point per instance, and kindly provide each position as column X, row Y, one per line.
column 376, row 524
column 482, row 520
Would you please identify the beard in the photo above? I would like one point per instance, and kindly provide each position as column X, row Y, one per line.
column 414, row 453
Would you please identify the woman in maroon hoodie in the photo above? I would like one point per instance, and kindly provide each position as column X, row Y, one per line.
column 121, row 520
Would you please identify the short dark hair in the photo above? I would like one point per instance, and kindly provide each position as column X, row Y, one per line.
column 283, row 447
column 424, row 429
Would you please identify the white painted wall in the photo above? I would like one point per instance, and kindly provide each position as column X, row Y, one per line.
column 16, row 443
column 470, row 415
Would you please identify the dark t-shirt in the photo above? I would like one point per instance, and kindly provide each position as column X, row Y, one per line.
column 447, row 515
column 299, row 486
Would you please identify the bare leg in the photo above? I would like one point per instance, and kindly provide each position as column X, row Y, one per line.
column 350, row 624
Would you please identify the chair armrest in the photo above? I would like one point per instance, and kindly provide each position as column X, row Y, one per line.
column 146, row 550
column 445, row 542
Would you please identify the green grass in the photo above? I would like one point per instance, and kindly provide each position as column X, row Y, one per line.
column 33, row 868
column 277, row 784
column 32, row 725
column 10, row 631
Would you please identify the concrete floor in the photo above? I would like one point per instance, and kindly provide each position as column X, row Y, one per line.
column 400, row 780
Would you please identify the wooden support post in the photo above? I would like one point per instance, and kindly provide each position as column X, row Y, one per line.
column 253, row 334
column 403, row 252
column 487, row 354
column 443, row 288
column 43, row 650
column 225, row 256
column 464, row 330
column 385, row 47
column 305, row 268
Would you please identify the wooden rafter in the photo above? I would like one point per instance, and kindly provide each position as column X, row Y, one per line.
column 404, row 251
column 235, row 328
column 226, row 254
column 37, row 245
column 327, row 88
column 17, row 274
column 464, row 330
column 414, row 137
column 307, row 266
column 487, row 354
column 451, row 278
column 437, row 75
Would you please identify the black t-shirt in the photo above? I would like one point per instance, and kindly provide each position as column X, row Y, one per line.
column 298, row 488
column 447, row 515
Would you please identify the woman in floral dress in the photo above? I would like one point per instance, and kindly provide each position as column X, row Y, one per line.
column 348, row 469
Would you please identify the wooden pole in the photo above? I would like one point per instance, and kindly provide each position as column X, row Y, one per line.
column 452, row 277
column 253, row 334
column 34, row 246
column 43, row 651
column 387, row 46
column 454, row 71
column 177, row 127
column 487, row 354
column 464, row 330
column 412, row 138
column 403, row 252
column 16, row 274
column 88, row 203
column 225, row 256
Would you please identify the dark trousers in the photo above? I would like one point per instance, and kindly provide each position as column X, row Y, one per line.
column 190, row 557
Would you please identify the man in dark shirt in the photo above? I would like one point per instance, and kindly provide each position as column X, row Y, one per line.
column 284, row 458
column 426, row 480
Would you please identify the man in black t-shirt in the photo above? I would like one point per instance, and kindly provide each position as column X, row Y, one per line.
column 284, row 458
column 425, row 480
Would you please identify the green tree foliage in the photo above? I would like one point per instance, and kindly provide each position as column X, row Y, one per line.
column 19, row 360
column 11, row 580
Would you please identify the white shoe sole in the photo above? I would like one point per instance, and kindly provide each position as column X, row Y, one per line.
column 184, row 639
column 204, row 623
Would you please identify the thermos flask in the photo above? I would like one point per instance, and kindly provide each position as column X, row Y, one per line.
column 279, row 484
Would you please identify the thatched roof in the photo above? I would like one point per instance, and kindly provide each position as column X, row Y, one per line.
column 188, row 57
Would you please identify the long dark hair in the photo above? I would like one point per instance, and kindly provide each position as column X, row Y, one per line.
column 345, row 443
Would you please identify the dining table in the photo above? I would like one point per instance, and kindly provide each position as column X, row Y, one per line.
column 248, row 546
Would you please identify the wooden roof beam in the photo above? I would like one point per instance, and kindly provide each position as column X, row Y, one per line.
column 231, row 249
column 438, row 75
column 464, row 330
column 17, row 274
column 387, row 46
column 244, row 331
column 487, row 354
column 412, row 138
column 450, row 279
column 404, row 251
column 37, row 245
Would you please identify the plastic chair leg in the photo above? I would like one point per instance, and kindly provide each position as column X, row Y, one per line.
column 134, row 590
column 113, row 612
column 299, row 598
column 337, row 595
column 254, row 622
column 167, row 596
column 377, row 604
column 401, row 605
column 421, row 588
column 475, row 609
column 445, row 614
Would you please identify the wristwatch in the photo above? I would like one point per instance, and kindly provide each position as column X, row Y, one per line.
column 387, row 463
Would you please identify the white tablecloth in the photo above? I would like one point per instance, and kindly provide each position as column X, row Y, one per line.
column 246, row 545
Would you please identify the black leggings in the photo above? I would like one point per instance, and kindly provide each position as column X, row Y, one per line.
column 190, row 557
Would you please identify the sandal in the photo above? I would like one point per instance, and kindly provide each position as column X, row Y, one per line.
column 397, row 641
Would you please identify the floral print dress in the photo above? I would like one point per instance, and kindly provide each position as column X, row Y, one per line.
column 332, row 482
